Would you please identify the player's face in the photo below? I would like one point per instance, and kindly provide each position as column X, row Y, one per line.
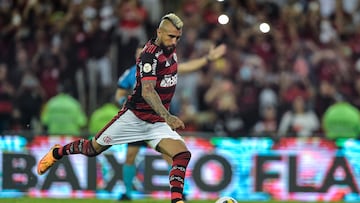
column 169, row 37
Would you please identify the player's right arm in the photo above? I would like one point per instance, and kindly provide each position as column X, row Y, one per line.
column 153, row 99
column 147, row 67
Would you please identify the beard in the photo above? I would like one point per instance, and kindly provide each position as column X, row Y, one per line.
column 167, row 49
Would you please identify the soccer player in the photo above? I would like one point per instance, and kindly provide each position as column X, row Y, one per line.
column 145, row 115
column 125, row 85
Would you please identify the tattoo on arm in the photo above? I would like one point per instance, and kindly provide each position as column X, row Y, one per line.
column 153, row 99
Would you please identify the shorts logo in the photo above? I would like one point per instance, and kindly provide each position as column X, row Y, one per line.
column 107, row 139
column 147, row 68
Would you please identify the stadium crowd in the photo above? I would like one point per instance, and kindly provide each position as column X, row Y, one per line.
column 276, row 83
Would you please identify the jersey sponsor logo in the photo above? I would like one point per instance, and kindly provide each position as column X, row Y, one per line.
column 168, row 81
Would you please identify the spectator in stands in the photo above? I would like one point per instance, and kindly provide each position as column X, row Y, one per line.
column 129, row 31
column 63, row 115
column 355, row 96
column 99, row 70
column 341, row 120
column 301, row 121
column 101, row 116
column 21, row 65
column 7, row 93
column 132, row 17
column 46, row 64
column 222, row 99
column 268, row 123
column 327, row 95
column 29, row 100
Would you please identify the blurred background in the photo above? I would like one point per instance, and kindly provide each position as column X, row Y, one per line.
column 288, row 84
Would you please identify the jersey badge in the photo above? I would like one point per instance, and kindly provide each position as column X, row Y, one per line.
column 147, row 68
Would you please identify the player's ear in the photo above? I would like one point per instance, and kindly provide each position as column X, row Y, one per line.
column 158, row 31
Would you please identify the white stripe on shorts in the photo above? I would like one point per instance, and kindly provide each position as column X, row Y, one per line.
column 129, row 128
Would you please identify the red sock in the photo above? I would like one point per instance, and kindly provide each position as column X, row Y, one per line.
column 177, row 175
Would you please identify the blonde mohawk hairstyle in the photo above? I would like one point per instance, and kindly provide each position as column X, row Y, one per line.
column 174, row 19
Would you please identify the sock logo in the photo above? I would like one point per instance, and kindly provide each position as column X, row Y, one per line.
column 181, row 168
column 177, row 178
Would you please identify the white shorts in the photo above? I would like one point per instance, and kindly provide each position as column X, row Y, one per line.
column 129, row 128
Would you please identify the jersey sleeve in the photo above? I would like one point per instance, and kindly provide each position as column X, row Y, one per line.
column 147, row 66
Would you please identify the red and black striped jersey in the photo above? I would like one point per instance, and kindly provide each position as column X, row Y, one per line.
column 153, row 64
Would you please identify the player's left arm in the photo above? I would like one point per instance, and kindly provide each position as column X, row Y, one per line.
column 195, row 64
